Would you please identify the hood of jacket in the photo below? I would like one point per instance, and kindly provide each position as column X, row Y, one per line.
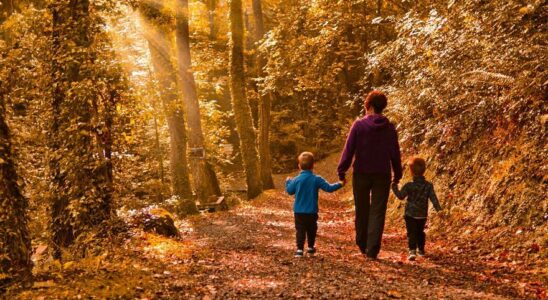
column 376, row 122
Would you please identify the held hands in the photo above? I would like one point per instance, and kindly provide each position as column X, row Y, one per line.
column 342, row 182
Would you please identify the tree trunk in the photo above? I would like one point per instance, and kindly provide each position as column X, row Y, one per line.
column 160, row 51
column 240, row 104
column 211, row 19
column 205, row 179
column 15, row 247
column 158, row 151
column 81, row 195
column 379, row 26
column 6, row 10
column 264, row 105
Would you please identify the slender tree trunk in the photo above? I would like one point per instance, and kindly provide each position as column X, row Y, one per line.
column 107, row 136
column 160, row 51
column 15, row 247
column 157, row 145
column 240, row 104
column 211, row 19
column 205, row 179
column 81, row 196
column 158, row 151
column 379, row 26
column 264, row 104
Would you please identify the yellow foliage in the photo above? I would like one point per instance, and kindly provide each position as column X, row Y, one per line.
column 161, row 213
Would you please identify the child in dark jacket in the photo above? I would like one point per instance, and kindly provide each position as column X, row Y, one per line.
column 417, row 192
column 305, row 187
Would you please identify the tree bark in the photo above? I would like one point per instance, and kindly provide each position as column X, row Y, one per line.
column 160, row 51
column 205, row 179
column 158, row 151
column 211, row 19
column 81, row 196
column 15, row 247
column 240, row 104
column 6, row 10
column 264, row 105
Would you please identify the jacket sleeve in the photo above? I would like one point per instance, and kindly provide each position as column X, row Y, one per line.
column 400, row 194
column 325, row 186
column 348, row 152
column 291, row 187
column 434, row 198
column 395, row 158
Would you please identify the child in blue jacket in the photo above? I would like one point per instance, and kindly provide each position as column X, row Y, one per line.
column 305, row 187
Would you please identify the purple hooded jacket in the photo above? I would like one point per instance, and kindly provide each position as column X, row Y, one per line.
column 373, row 145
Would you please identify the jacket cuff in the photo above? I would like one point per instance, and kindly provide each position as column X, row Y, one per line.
column 341, row 176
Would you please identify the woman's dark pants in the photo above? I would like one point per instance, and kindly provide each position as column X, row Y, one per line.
column 415, row 232
column 371, row 192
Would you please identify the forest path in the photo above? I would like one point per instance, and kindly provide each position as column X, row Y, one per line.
column 248, row 253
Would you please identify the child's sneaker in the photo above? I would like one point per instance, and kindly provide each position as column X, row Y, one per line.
column 412, row 255
column 311, row 251
column 421, row 253
column 299, row 253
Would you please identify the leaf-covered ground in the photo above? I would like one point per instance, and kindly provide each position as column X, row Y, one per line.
column 247, row 252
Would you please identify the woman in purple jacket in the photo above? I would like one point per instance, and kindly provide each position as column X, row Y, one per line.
column 373, row 146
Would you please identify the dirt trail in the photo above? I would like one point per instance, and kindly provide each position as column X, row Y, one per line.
column 248, row 253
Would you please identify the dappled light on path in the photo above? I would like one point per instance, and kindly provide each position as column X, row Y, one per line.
column 248, row 253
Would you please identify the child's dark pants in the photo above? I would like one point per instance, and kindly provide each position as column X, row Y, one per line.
column 415, row 233
column 307, row 227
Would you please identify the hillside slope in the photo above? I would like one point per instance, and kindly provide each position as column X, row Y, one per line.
column 468, row 90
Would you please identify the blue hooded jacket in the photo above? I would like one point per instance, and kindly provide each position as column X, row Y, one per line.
column 305, row 187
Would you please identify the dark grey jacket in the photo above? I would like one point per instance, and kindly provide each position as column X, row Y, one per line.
column 417, row 192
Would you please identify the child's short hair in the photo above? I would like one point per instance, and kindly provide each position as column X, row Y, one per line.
column 417, row 166
column 306, row 161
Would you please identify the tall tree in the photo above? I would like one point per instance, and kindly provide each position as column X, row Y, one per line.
column 211, row 18
column 264, row 105
column 205, row 179
column 15, row 248
column 158, row 36
column 240, row 104
column 81, row 196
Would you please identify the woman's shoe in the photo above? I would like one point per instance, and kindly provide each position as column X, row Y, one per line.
column 299, row 253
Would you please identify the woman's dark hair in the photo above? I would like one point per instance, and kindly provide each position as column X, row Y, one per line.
column 417, row 166
column 377, row 99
